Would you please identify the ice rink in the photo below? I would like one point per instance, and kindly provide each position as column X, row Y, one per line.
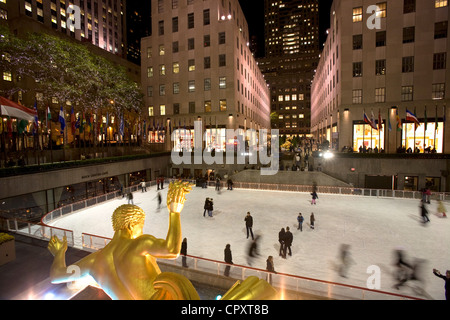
column 373, row 227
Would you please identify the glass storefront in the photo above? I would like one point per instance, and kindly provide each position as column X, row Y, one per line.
column 423, row 139
column 365, row 137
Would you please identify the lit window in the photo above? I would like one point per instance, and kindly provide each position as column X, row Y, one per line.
column 440, row 3
column 7, row 76
column 357, row 14
column 176, row 67
column 223, row 105
column 162, row 109
column 151, row 112
column 381, row 10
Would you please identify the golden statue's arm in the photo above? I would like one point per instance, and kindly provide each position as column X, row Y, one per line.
column 170, row 247
column 58, row 271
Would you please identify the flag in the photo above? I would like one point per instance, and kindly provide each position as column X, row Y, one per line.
column 389, row 123
column 368, row 121
column 426, row 120
column 412, row 117
column 62, row 120
column 121, row 126
column 73, row 121
column 380, row 121
column 12, row 109
column 399, row 122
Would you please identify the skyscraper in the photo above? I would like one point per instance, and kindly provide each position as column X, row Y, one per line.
column 292, row 54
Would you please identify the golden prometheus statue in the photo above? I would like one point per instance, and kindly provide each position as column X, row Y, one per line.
column 126, row 267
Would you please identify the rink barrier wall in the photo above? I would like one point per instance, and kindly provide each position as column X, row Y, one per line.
column 289, row 282
column 286, row 284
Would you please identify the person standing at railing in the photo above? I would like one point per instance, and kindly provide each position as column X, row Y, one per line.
column 183, row 252
column 271, row 268
column 228, row 258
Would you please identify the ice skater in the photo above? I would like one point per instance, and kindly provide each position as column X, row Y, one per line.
column 312, row 219
column 288, row 242
column 424, row 213
column 314, row 197
column 281, row 240
column 441, row 209
column 345, row 259
column 300, row 220
column 253, row 250
column 159, row 198
column 210, row 207
column 205, row 206
column 404, row 269
column 130, row 198
column 446, row 278
column 249, row 225
column 143, row 186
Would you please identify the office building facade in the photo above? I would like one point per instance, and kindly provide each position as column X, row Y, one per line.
column 197, row 66
column 383, row 78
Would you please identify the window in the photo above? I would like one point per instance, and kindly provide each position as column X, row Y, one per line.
column 357, row 41
column 176, row 88
column 407, row 93
column 161, row 28
column 223, row 105
column 149, row 52
column 206, row 17
column 149, row 72
column 440, row 30
column 162, row 70
column 191, row 65
column 409, row 34
column 151, row 112
column 438, row 91
column 176, row 67
column 207, row 86
column 191, row 45
column 357, row 69
column 175, row 24
column 380, row 67
column 439, row 60
column 380, row 39
column 208, row 106
column 207, row 62
column 222, row 82
column 221, row 37
column 440, row 3
column 7, row 76
column 222, row 60
column 174, row 4
column 176, row 108
column 162, row 110
column 357, row 96
column 408, row 64
column 357, row 14
column 162, row 50
column 162, row 89
column 206, row 40
column 149, row 91
column 380, row 95
column 191, row 86
column 382, row 10
column 175, row 47
column 191, row 107
column 409, row 6
column 190, row 20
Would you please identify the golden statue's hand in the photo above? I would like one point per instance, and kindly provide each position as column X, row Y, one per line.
column 56, row 246
column 176, row 195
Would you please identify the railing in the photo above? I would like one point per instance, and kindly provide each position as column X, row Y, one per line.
column 387, row 193
column 282, row 281
column 41, row 232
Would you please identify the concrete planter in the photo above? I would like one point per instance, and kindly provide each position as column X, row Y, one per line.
column 7, row 252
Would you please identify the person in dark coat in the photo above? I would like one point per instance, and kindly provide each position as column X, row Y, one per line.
column 271, row 268
column 424, row 213
column 314, row 197
column 288, row 242
column 183, row 252
column 281, row 240
column 253, row 250
column 249, row 225
column 210, row 207
column 312, row 219
column 228, row 259
column 446, row 279
column 205, row 206
column 300, row 220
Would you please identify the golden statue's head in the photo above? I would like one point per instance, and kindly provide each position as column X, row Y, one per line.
column 127, row 216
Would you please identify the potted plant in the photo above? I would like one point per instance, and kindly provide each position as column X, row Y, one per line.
column 7, row 248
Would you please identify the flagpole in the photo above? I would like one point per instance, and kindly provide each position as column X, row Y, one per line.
column 435, row 127
column 364, row 130
column 425, row 129
column 414, row 150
